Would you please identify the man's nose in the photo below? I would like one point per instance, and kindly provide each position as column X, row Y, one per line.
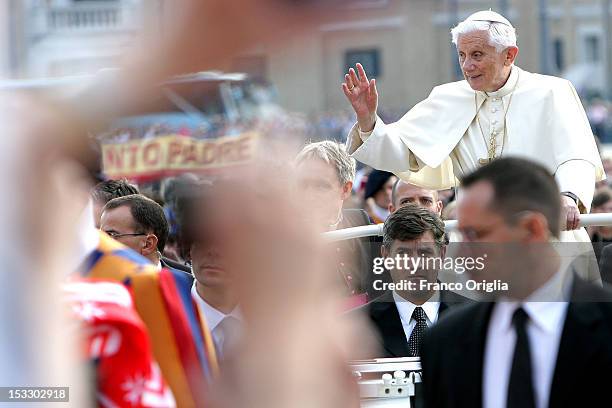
column 468, row 65
column 213, row 251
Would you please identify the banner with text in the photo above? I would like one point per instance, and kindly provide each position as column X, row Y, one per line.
column 173, row 154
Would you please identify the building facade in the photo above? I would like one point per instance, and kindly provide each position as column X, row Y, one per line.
column 406, row 45
column 48, row 38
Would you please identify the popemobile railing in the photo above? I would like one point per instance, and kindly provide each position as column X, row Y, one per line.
column 586, row 220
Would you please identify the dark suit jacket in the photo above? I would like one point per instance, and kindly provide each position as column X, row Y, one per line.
column 385, row 317
column 452, row 354
column 605, row 262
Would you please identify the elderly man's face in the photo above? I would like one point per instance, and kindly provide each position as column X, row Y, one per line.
column 483, row 67
column 320, row 191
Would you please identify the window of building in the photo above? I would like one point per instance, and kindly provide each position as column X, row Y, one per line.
column 592, row 48
column 369, row 58
column 559, row 56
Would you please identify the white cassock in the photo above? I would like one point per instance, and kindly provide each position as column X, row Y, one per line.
column 532, row 116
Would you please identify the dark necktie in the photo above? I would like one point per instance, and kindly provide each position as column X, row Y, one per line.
column 520, row 387
column 414, row 343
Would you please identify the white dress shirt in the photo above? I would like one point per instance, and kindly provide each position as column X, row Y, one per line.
column 214, row 318
column 546, row 320
column 406, row 308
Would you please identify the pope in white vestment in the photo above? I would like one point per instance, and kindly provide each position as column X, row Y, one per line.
column 498, row 110
column 545, row 122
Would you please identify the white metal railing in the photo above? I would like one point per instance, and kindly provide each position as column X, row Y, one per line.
column 102, row 17
column 586, row 220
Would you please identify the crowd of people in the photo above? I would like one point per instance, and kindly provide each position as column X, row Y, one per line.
column 181, row 298
column 231, row 291
column 185, row 293
column 520, row 298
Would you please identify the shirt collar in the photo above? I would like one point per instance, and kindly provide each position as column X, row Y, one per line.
column 505, row 90
column 545, row 307
column 406, row 308
column 556, row 289
column 212, row 315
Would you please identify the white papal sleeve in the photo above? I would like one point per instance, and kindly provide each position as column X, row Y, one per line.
column 578, row 177
column 382, row 149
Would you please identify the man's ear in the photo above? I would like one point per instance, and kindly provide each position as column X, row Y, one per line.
column 511, row 54
column 391, row 208
column 149, row 245
column 383, row 251
column 536, row 227
column 346, row 190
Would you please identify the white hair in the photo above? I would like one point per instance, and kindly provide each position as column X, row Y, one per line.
column 501, row 36
column 331, row 153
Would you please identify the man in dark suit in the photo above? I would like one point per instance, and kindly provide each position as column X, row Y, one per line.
column 546, row 339
column 412, row 302
column 605, row 264
column 139, row 223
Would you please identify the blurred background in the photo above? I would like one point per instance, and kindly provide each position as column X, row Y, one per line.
column 404, row 44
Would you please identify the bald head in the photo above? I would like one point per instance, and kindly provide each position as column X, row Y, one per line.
column 404, row 193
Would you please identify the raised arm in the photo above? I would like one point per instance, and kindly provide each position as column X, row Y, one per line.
column 363, row 96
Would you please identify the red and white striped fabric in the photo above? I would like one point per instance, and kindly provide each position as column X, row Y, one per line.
column 116, row 341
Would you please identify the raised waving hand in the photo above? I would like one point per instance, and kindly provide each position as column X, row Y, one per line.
column 362, row 95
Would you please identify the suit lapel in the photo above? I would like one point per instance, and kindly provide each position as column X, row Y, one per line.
column 449, row 299
column 443, row 308
column 579, row 343
column 470, row 361
column 385, row 315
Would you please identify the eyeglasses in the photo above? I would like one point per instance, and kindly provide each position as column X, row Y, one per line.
column 116, row 235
